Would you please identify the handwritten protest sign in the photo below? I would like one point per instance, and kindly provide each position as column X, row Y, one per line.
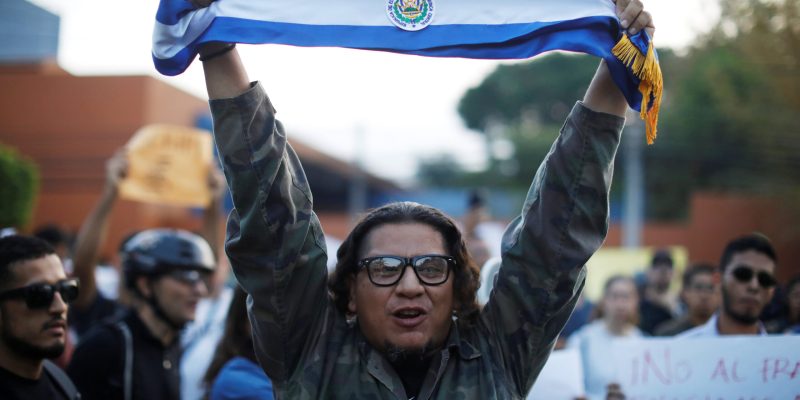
column 736, row 368
column 561, row 378
column 168, row 165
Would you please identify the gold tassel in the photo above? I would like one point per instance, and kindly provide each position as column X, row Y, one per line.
column 646, row 68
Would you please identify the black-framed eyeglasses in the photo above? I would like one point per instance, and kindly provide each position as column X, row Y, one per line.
column 745, row 274
column 41, row 295
column 431, row 269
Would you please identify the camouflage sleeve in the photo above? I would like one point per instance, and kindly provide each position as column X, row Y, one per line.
column 274, row 240
column 564, row 221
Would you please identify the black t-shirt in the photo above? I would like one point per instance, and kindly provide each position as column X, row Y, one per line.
column 14, row 387
column 97, row 366
column 651, row 315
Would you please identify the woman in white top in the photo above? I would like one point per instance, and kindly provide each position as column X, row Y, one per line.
column 617, row 316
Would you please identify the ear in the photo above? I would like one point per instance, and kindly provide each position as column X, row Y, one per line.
column 351, row 302
column 716, row 277
column 143, row 286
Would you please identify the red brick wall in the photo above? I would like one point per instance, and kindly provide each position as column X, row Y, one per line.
column 716, row 218
column 71, row 125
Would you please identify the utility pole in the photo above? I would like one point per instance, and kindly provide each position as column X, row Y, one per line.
column 633, row 205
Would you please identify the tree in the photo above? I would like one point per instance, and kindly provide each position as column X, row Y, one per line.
column 520, row 108
column 731, row 124
column 728, row 120
column 20, row 182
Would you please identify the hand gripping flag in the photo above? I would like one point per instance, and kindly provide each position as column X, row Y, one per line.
column 497, row 29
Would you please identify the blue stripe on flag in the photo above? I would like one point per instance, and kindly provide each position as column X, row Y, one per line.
column 591, row 35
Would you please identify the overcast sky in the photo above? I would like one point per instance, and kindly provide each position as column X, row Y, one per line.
column 330, row 97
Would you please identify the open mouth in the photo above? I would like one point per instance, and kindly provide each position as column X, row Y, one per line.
column 409, row 317
column 408, row 314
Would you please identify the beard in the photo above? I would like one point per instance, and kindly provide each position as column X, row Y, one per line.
column 727, row 306
column 27, row 349
column 402, row 355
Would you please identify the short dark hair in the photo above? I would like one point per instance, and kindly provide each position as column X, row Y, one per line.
column 19, row 248
column 753, row 241
column 662, row 256
column 52, row 234
column 466, row 273
column 694, row 270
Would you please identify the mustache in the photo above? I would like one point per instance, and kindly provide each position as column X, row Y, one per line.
column 58, row 321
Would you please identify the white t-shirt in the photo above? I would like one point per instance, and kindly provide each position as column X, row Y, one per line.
column 594, row 341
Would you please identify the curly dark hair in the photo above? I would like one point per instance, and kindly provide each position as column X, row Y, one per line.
column 465, row 271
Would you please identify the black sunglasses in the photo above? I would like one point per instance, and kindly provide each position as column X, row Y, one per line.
column 41, row 295
column 431, row 269
column 190, row 276
column 745, row 274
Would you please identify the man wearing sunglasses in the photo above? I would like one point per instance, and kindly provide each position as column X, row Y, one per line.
column 34, row 297
column 137, row 356
column 748, row 284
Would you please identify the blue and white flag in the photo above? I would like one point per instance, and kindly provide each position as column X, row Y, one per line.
column 498, row 29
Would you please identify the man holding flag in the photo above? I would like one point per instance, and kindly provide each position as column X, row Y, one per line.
column 398, row 318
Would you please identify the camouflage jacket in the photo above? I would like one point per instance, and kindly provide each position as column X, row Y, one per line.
column 276, row 247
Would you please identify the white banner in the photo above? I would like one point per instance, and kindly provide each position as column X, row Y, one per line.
column 561, row 378
column 736, row 368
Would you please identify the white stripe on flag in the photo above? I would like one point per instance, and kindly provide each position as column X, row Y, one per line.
column 168, row 40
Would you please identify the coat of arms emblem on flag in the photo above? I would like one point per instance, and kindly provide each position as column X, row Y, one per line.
column 410, row 15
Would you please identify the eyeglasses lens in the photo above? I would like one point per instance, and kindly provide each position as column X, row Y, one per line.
column 191, row 277
column 431, row 270
column 39, row 296
column 385, row 270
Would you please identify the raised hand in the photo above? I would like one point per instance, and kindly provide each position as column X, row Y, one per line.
column 634, row 18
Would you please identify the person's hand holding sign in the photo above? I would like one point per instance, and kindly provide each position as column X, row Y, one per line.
column 116, row 169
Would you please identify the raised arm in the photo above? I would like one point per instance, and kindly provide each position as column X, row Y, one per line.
column 94, row 231
column 603, row 95
column 212, row 227
column 274, row 240
column 225, row 75
column 563, row 222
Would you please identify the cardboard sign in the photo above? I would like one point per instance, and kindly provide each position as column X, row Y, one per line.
column 169, row 165
column 736, row 368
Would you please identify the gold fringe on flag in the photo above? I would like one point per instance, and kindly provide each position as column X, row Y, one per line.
column 646, row 68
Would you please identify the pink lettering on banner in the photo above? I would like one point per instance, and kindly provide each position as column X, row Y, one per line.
column 661, row 368
column 721, row 372
column 774, row 369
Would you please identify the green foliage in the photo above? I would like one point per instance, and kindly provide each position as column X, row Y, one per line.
column 539, row 91
column 439, row 171
column 20, row 182
column 731, row 123
column 728, row 121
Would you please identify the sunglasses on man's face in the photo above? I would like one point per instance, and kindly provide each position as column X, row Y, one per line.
column 745, row 274
column 190, row 277
column 41, row 295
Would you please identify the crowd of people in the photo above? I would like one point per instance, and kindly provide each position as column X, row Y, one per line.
column 399, row 316
column 182, row 330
